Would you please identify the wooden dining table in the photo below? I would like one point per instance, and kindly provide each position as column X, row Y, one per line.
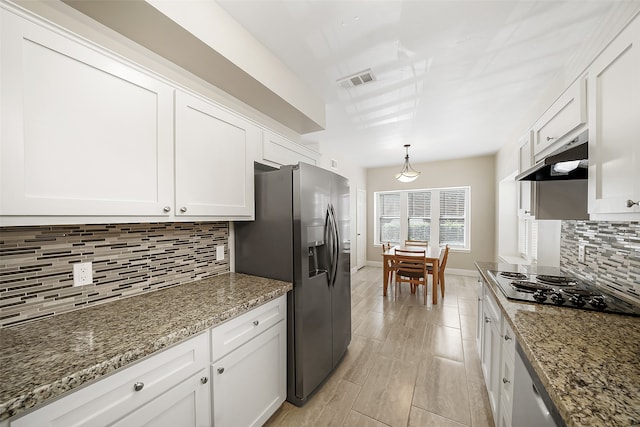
column 432, row 255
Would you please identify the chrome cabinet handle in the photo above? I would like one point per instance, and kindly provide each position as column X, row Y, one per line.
column 507, row 337
column 551, row 138
column 204, row 380
column 183, row 209
column 167, row 209
column 505, row 381
column 631, row 203
column 220, row 370
column 138, row 386
column 487, row 320
column 256, row 323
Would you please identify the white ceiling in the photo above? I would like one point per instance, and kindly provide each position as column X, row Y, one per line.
column 452, row 78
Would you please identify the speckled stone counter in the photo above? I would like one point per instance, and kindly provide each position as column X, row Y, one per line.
column 43, row 359
column 589, row 362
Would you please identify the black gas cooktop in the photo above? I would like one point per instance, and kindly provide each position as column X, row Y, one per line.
column 563, row 291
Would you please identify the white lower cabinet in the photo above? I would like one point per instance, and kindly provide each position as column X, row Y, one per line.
column 249, row 383
column 491, row 347
column 187, row 405
column 232, row 375
column 506, row 374
column 497, row 355
column 249, row 366
column 171, row 385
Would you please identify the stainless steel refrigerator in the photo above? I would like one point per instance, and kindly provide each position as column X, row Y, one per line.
column 301, row 235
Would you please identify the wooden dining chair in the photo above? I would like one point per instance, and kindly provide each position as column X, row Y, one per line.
column 442, row 264
column 423, row 243
column 390, row 263
column 411, row 267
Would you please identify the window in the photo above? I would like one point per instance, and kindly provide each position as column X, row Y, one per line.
column 528, row 238
column 453, row 214
column 419, row 215
column 389, row 219
column 437, row 215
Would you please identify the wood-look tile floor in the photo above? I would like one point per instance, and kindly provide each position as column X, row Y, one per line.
column 407, row 365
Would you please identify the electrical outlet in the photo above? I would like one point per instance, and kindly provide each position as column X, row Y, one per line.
column 582, row 253
column 82, row 274
column 219, row 253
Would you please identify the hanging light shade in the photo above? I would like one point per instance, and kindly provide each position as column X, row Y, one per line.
column 407, row 174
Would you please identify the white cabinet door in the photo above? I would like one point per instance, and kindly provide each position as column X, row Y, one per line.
column 83, row 133
column 562, row 121
column 279, row 151
column 249, row 384
column 507, row 357
column 525, row 161
column 491, row 352
column 185, row 405
column 214, row 162
column 614, row 135
column 480, row 318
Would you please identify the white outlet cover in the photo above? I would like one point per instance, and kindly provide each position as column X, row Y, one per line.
column 82, row 274
column 219, row 253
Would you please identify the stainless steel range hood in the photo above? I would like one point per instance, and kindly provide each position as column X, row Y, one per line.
column 551, row 167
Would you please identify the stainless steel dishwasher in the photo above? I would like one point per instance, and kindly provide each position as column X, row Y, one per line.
column 532, row 406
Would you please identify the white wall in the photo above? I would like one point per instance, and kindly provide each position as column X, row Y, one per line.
column 357, row 177
column 476, row 172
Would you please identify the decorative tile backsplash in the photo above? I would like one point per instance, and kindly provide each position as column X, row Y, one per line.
column 36, row 271
column 612, row 255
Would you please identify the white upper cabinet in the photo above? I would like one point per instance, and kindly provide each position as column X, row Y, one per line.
column 82, row 132
column 214, row 161
column 525, row 161
column 614, row 134
column 278, row 151
column 566, row 117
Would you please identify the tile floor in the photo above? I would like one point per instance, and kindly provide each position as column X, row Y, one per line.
column 407, row 365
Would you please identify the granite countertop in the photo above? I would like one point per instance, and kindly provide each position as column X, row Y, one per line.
column 43, row 359
column 589, row 362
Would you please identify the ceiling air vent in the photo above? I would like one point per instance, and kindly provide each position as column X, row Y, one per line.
column 356, row 79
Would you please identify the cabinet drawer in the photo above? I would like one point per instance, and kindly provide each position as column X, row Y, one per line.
column 559, row 122
column 229, row 336
column 114, row 397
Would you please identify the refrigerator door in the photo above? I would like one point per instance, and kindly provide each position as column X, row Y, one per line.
column 312, row 329
column 341, row 288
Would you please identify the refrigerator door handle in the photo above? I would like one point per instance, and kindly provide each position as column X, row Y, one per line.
column 329, row 237
column 336, row 245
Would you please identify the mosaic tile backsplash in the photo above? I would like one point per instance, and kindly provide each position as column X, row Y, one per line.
column 612, row 255
column 36, row 271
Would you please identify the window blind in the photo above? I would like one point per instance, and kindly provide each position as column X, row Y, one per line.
column 419, row 215
column 453, row 209
column 389, row 217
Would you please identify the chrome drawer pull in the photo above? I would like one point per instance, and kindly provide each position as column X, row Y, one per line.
column 256, row 323
column 220, row 370
column 505, row 381
column 507, row 337
column 138, row 386
column 204, row 380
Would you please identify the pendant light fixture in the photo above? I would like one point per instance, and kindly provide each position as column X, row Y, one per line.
column 407, row 174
